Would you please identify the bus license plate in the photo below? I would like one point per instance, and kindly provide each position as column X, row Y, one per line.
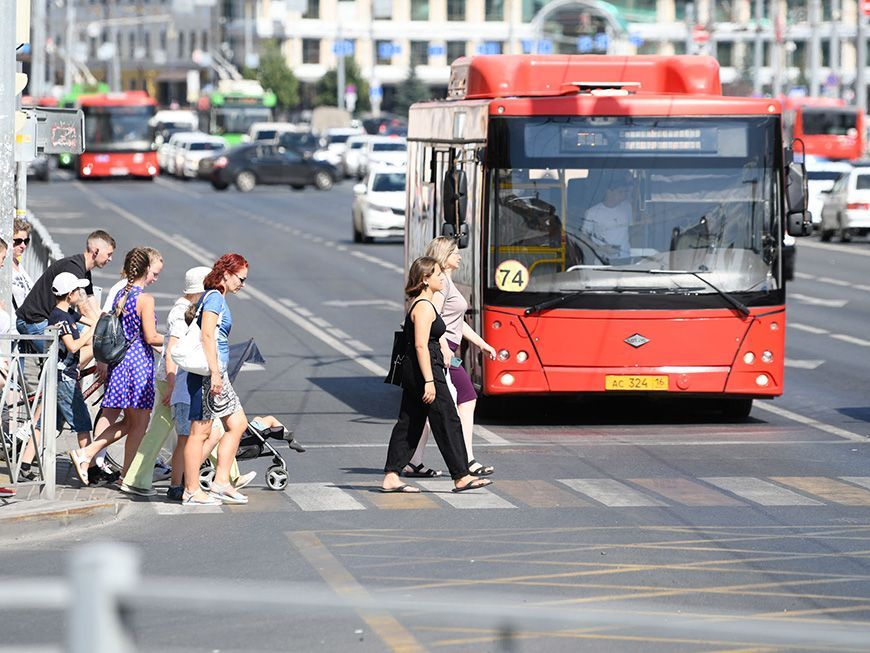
column 118, row 172
column 648, row 383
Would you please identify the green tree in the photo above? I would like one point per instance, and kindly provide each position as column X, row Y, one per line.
column 410, row 91
column 276, row 76
column 327, row 87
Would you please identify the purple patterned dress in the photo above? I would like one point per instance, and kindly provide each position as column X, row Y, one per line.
column 131, row 382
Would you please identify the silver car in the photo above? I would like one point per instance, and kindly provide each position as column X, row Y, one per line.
column 846, row 210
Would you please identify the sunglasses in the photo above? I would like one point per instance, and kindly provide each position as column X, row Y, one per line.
column 20, row 241
column 241, row 279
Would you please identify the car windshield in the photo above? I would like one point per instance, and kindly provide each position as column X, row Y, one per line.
column 585, row 203
column 388, row 182
column 206, row 146
column 238, row 120
column 388, row 147
column 266, row 134
column 300, row 140
column 829, row 121
column 118, row 128
column 338, row 138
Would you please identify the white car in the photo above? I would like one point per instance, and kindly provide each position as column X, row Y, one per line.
column 166, row 151
column 821, row 175
column 847, row 206
column 379, row 205
column 270, row 131
column 191, row 151
column 172, row 121
column 353, row 159
column 385, row 150
column 335, row 143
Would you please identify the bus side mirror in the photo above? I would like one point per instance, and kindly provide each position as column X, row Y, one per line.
column 455, row 196
column 798, row 221
column 461, row 239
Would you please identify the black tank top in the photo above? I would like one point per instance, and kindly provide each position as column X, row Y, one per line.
column 438, row 329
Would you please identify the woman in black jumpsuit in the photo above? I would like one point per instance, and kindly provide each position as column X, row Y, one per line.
column 424, row 388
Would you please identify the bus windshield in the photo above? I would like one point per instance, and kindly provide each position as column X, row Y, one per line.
column 829, row 121
column 118, row 128
column 591, row 204
column 238, row 120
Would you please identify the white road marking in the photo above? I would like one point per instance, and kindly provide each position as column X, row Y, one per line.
column 852, row 340
column 478, row 499
column 807, row 328
column 760, row 492
column 338, row 333
column 72, row 231
column 863, row 481
column 313, row 497
column 376, row 303
column 840, row 249
column 609, row 492
column 803, row 364
column 319, row 321
column 803, row 275
column 834, row 282
column 808, row 421
column 818, row 301
column 289, row 303
column 488, row 436
column 359, row 346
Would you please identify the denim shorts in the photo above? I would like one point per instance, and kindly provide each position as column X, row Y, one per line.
column 181, row 418
column 71, row 406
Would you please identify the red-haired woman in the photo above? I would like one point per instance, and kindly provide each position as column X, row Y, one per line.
column 212, row 397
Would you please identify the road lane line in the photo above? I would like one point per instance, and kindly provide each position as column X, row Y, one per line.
column 803, row 364
column 809, row 329
column 811, row 244
column 611, row 493
column 315, row 497
column 808, row 421
column 863, row 481
column 834, row 282
column 488, row 436
column 852, row 340
column 760, row 492
column 686, row 492
column 541, row 494
column 817, row 301
column 827, row 488
column 396, row 637
column 479, row 499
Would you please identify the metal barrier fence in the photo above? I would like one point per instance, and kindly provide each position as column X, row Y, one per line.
column 104, row 590
column 42, row 252
column 28, row 397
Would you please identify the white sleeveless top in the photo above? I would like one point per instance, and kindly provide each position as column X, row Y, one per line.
column 453, row 312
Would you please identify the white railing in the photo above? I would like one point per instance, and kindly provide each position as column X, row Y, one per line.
column 42, row 252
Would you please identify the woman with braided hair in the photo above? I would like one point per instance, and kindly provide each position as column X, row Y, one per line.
column 130, row 385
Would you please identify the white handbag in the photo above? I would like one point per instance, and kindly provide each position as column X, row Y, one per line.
column 188, row 353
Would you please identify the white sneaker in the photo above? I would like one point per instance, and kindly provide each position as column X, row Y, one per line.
column 23, row 432
column 162, row 471
column 244, row 480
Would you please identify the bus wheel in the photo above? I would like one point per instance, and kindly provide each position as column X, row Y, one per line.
column 245, row 181
column 736, row 408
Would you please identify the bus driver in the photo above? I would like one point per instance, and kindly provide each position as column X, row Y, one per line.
column 607, row 223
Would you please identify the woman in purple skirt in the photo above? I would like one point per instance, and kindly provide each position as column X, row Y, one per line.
column 130, row 386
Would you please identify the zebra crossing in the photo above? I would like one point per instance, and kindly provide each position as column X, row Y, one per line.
column 583, row 493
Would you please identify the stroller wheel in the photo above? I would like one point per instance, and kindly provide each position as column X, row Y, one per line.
column 276, row 477
column 206, row 476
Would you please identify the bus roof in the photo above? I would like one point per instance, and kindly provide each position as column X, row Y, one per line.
column 495, row 76
column 126, row 98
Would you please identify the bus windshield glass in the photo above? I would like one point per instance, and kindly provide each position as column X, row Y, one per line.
column 633, row 205
column 238, row 120
column 118, row 128
column 829, row 121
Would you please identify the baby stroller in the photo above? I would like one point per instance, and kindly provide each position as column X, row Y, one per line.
column 255, row 440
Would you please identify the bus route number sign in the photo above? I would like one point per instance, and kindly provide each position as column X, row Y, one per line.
column 511, row 276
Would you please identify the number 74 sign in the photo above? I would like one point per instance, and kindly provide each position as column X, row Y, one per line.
column 511, row 276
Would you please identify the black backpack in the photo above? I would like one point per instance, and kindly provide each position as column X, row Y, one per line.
column 110, row 344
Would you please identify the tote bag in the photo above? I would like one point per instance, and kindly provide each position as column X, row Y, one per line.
column 400, row 346
column 188, row 353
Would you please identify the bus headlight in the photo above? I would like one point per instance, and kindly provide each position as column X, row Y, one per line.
column 749, row 358
column 522, row 357
column 762, row 380
column 507, row 379
column 503, row 354
column 767, row 356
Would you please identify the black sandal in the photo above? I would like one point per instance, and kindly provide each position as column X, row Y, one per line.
column 483, row 470
column 420, row 471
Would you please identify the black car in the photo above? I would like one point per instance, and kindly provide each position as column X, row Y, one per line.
column 266, row 163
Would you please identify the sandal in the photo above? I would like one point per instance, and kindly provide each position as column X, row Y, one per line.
column 483, row 470
column 227, row 494
column 193, row 500
column 473, row 485
column 420, row 471
column 80, row 465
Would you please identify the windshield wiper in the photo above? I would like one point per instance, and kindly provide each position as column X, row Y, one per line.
column 739, row 306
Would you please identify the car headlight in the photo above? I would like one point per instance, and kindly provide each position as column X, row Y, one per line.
column 378, row 207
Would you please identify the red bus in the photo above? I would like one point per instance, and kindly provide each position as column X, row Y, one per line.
column 621, row 224
column 828, row 127
column 119, row 142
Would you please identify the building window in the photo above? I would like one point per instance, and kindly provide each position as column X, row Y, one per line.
column 456, row 10
column 455, row 49
column 163, row 40
column 531, row 9
column 383, row 53
column 204, row 40
column 494, row 10
column 725, row 53
column 313, row 9
column 419, row 9
column 419, row 53
column 382, row 9
column 490, row 47
column 147, row 44
column 181, row 49
column 310, row 50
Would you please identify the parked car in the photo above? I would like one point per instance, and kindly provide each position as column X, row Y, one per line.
column 166, row 152
column 384, row 150
column 846, row 210
column 264, row 163
column 270, row 131
column 353, row 159
column 304, row 142
column 190, row 151
column 335, row 143
column 379, row 205
column 172, row 121
column 821, row 175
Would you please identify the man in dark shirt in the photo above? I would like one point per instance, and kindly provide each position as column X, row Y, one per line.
column 40, row 302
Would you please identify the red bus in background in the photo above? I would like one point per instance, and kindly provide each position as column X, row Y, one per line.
column 119, row 142
column 621, row 224
column 828, row 127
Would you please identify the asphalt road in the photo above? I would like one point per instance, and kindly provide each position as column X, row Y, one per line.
column 630, row 525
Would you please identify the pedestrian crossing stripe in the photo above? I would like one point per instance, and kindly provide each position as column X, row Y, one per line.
column 713, row 491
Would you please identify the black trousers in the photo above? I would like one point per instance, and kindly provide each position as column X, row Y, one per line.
column 443, row 419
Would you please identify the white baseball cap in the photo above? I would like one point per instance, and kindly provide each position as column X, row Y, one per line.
column 66, row 282
column 193, row 280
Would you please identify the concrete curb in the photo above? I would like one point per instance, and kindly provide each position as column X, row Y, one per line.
column 45, row 518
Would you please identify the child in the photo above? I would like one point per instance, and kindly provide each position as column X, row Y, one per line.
column 71, row 407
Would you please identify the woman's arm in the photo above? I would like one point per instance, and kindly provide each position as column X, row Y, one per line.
column 471, row 335
column 446, row 353
column 209, row 346
column 171, row 368
column 145, row 308
column 423, row 316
